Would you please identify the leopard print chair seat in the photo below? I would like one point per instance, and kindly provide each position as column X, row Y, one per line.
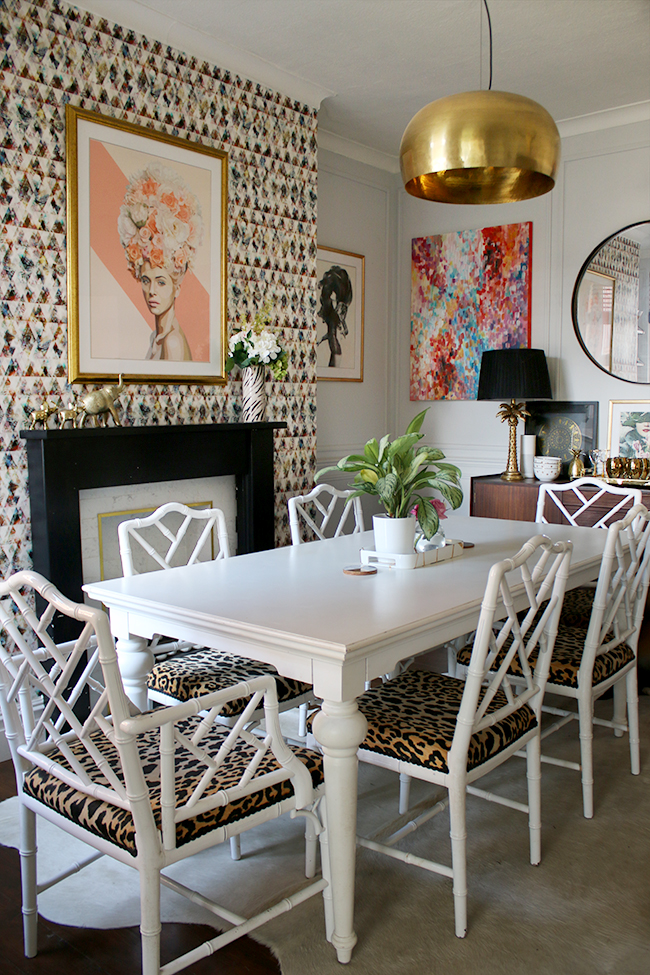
column 567, row 659
column 578, row 604
column 197, row 672
column 412, row 718
column 114, row 824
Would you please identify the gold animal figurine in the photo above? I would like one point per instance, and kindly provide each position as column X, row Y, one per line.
column 576, row 467
column 99, row 404
column 67, row 414
column 41, row 415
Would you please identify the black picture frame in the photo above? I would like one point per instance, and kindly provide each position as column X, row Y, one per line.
column 561, row 426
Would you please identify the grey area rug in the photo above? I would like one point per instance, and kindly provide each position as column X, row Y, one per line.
column 585, row 909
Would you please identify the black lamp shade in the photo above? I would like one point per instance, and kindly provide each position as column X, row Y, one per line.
column 514, row 374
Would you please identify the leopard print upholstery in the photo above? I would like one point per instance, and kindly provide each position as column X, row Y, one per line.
column 116, row 825
column 577, row 606
column 198, row 672
column 567, row 657
column 412, row 718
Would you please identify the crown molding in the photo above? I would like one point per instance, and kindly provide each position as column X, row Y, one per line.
column 355, row 150
column 137, row 16
column 609, row 118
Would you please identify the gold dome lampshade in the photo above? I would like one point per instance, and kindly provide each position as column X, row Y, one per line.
column 480, row 147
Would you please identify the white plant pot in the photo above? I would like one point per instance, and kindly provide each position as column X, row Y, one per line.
column 394, row 536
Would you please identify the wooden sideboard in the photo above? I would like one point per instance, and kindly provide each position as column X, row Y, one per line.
column 491, row 497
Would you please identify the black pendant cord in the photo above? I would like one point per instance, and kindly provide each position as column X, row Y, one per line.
column 490, row 34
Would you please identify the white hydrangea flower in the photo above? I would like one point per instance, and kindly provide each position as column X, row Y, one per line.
column 236, row 339
column 265, row 346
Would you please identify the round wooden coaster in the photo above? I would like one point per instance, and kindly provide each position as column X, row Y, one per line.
column 360, row 570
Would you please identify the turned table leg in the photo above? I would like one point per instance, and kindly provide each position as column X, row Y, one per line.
column 340, row 728
column 135, row 660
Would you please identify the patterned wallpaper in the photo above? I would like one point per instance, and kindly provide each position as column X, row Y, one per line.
column 54, row 53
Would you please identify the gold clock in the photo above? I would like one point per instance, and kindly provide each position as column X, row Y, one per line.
column 558, row 436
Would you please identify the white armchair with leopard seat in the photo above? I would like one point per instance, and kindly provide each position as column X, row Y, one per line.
column 451, row 732
column 146, row 789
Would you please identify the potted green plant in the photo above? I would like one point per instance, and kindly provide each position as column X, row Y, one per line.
column 397, row 472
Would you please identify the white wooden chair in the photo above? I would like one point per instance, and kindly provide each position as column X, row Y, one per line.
column 451, row 732
column 147, row 789
column 326, row 511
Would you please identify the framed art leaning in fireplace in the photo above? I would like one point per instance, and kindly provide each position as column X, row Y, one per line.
column 146, row 220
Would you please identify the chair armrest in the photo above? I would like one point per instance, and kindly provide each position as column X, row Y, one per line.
column 177, row 712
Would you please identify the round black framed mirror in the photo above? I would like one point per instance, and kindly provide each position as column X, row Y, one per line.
column 611, row 306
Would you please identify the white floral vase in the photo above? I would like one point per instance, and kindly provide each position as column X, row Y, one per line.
column 253, row 394
column 394, row 536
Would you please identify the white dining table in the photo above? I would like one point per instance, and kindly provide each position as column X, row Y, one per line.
column 296, row 609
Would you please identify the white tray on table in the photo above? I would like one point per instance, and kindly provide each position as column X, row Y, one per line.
column 451, row 550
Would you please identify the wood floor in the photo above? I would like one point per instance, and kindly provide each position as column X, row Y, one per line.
column 85, row 951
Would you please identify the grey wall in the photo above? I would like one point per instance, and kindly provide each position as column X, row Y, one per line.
column 357, row 206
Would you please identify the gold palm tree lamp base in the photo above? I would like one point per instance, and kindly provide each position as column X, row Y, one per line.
column 513, row 413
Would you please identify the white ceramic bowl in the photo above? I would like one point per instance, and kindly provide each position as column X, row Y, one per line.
column 547, row 468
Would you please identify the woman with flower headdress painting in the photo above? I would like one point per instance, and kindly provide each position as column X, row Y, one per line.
column 160, row 228
column 636, row 442
column 335, row 299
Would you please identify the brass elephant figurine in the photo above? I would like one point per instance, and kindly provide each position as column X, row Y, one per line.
column 99, row 404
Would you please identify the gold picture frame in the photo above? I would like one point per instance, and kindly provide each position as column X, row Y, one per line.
column 147, row 254
column 341, row 287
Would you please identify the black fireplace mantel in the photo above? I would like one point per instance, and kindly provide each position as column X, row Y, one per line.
column 64, row 462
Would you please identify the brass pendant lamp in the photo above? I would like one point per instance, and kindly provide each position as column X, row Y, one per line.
column 480, row 147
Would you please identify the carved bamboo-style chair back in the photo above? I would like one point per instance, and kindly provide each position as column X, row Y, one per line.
column 149, row 788
column 506, row 633
column 569, row 504
column 168, row 538
column 326, row 512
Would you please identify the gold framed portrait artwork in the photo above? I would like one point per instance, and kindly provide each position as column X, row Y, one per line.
column 339, row 315
column 146, row 221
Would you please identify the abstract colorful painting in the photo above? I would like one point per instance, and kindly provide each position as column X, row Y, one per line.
column 470, row 291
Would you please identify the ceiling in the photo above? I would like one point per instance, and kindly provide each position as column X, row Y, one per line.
column 371, row 64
